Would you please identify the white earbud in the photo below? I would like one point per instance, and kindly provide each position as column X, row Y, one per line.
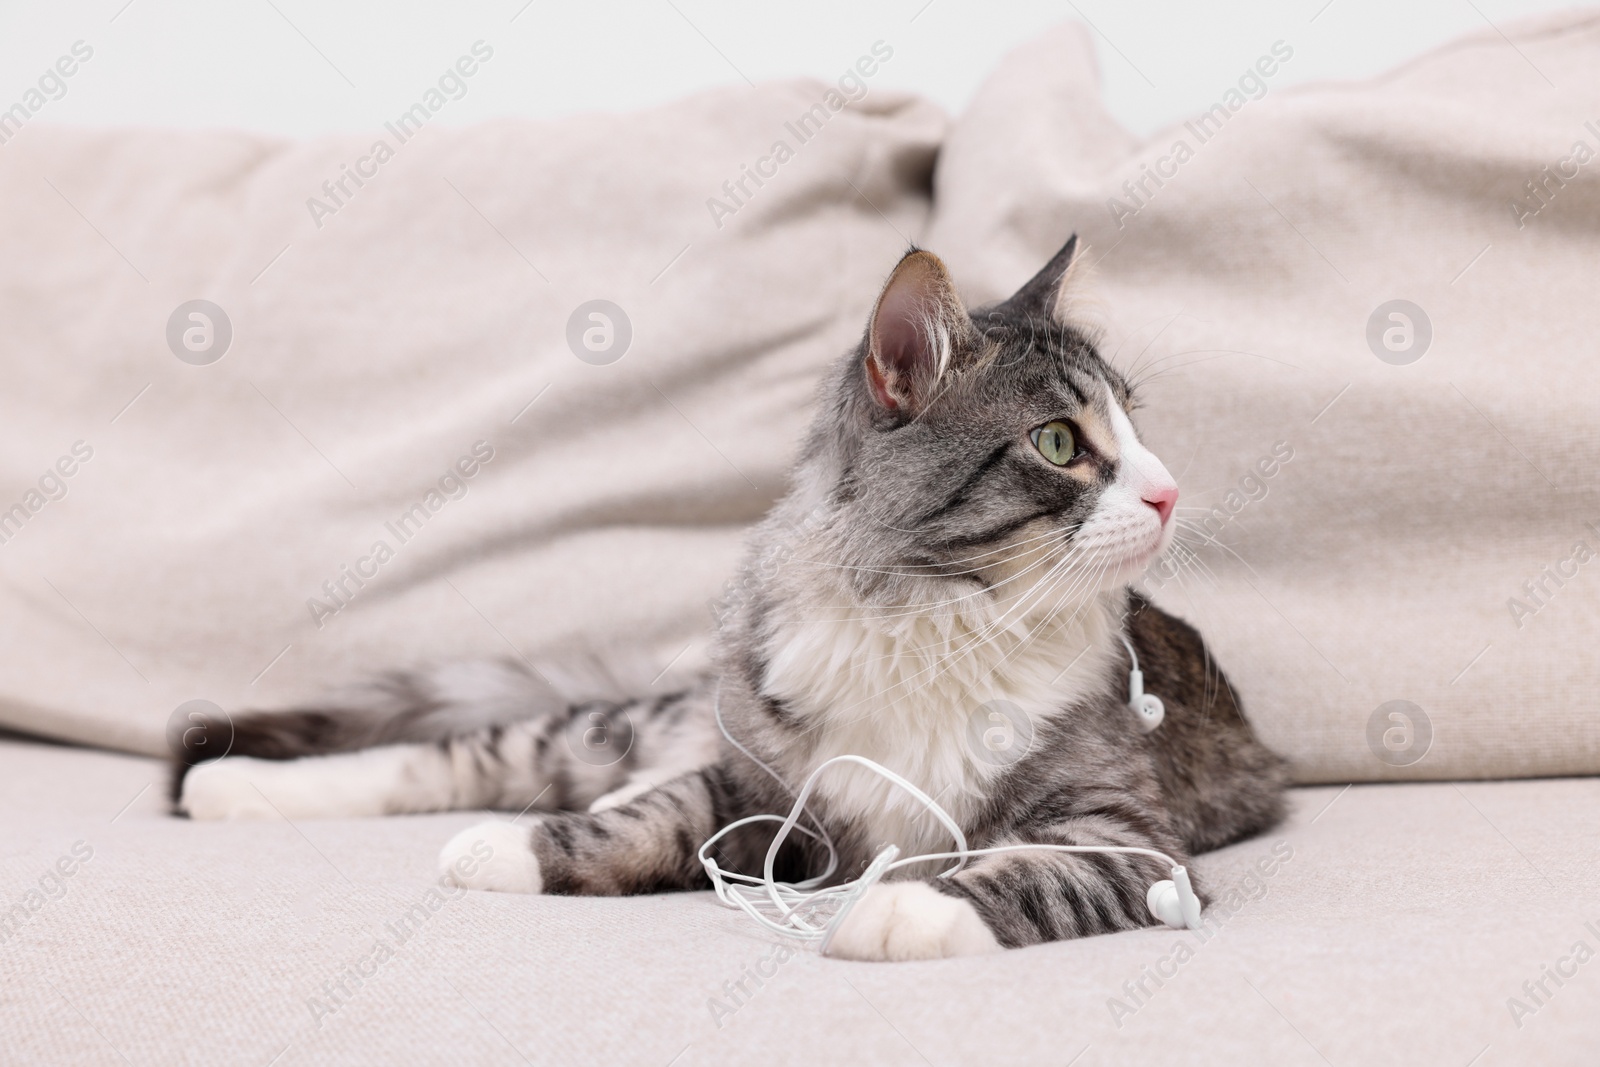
column 1147, row 706
column 1174, row 901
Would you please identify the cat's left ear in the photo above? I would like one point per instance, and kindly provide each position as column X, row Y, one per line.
column 919, row 328
column 1051, row 293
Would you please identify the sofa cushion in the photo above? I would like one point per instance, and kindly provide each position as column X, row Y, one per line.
column 1383, row 924
column 416, row 444
column 1394, row 551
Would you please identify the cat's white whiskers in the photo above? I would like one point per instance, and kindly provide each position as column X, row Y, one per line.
column 910, row 609
column 1083, row 580
column 920, row 570
column 993, row 590
column 1209, row 541
column 1018, row 607
column 936, row 666
column 918, row 610
column 1185, row 558
column 1062, row 571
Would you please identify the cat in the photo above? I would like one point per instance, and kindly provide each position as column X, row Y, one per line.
column 951, row 566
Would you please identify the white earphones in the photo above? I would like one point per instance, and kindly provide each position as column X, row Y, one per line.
column 1174, row 902
column 1147, row 706
column 799, row 909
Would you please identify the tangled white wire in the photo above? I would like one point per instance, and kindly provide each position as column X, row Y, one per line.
column 801, row 910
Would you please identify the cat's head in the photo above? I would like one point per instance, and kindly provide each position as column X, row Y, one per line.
column 993, row 445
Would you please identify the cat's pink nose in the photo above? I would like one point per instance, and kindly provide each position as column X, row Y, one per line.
column 1163, row 498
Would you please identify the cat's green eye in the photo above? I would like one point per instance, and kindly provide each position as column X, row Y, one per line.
column 1054, row 442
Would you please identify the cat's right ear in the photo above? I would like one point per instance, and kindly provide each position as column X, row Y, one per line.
column 916, row 331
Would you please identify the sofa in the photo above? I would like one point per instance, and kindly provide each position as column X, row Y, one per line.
column 1362, row 317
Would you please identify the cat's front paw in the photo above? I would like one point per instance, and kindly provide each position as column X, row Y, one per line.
column 911, row 921
column 497, row 856
column 224, row 789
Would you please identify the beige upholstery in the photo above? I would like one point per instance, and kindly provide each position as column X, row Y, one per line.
column 1379, row 563
column 1409, row 924
column 1403, row 920
column 372, row 352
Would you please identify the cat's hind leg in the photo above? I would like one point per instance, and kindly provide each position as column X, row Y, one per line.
column 443, row 742
column 493, row 769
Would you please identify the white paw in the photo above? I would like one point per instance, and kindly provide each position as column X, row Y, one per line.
column 345, row 785
column 494, row 855
column 224, row 789
column 911, row 921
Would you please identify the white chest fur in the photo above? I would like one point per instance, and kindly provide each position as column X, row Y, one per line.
column 922, row 696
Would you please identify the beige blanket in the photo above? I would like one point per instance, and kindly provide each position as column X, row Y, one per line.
column 1387, row 554
column 1401, row 561
column 1400, row 931
column 401, row 455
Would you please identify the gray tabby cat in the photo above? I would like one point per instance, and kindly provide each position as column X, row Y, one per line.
column 952, row 558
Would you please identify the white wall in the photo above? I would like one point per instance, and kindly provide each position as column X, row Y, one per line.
column 298, row 67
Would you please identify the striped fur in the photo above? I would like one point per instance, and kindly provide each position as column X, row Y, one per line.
column 928, row 567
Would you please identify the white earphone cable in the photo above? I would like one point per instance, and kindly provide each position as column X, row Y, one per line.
column 795, row 909
column 1132, row 655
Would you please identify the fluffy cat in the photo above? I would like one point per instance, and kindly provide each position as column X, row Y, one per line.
column 952, row 560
